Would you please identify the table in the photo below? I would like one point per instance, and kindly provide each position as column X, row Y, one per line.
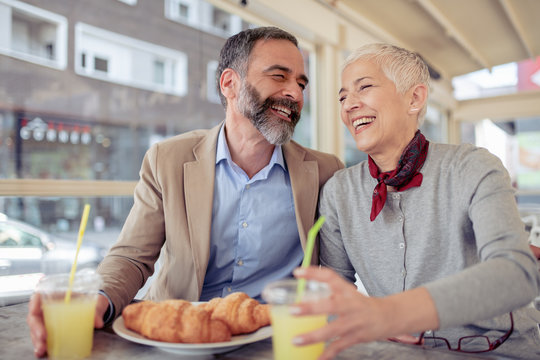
column 15, row 344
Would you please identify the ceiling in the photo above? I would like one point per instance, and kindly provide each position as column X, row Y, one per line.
column 454, row 36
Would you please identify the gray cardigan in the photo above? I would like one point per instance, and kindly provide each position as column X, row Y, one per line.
column 459, row 235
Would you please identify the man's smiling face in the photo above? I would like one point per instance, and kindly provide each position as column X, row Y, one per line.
column 271, row 95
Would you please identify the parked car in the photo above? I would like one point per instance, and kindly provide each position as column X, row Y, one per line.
column 27, row 252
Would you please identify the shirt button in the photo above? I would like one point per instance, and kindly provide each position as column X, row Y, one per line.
column 244, row 225
column 240, row 262
column 248, row 186
column 401, row 245
column 403, row 272
column 229, row 289
column 395, row 196
column 400, row 218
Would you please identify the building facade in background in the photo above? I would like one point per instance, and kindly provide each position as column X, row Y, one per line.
column 88, row 86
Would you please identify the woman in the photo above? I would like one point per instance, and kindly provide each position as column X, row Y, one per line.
column 432, row 230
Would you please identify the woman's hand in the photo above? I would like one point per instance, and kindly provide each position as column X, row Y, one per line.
column 360, row 318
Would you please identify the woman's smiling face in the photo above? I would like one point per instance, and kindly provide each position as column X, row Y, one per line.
column 375, row 113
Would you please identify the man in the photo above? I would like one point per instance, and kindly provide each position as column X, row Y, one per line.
column 228, row 208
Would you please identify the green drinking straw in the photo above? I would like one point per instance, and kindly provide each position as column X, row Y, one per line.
column 312, row 234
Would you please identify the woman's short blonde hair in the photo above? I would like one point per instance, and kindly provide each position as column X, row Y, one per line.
column 405, row 68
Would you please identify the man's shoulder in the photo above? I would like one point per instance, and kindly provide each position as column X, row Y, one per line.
column 187, row 141
column 327, row 163
column 183, row 147
column 319, row 156
column 190, row 137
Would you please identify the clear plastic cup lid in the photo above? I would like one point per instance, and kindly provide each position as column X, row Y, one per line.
column 84, row 281
column 285, row 291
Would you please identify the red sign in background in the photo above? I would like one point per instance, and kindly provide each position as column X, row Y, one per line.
column 529, row 75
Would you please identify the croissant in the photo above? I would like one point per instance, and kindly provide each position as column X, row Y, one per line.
column 174, row 321
column 241, row 313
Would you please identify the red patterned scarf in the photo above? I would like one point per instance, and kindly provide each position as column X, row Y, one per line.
column 403, row 177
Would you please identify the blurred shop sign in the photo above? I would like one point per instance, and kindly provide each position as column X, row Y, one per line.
column 39, row 130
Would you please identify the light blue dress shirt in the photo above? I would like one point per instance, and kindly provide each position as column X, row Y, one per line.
column 254, row 238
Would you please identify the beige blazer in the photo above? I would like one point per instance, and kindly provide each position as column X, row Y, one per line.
column 172, row 214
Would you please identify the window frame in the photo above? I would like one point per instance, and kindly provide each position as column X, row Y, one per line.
column 176, row 61
column 200, row 17
column 61, row 38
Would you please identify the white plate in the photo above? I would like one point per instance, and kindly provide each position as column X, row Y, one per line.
column 192, row 349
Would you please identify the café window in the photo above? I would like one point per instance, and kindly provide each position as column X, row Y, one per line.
column 32, row 34
column 124, row 60
column 92, row 63
column 79, row 135
column 181, row 10
column 222, row 20
column 101, row 64
column 203, row 16
column 516, row 141
column 159, row 72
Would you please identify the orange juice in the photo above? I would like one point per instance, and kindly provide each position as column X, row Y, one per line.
column 70, row 327
column 285, row 327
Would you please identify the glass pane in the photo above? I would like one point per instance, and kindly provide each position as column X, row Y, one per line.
column 221, row 19
column 60, row 216
column 126, row 88
column 159, row 72
column 435, row 125
column 101, row 64
column 183, row 11
column 33, row 36
column 55, row 147
column 304, row 129
column 517, row 143
column 74, row 127
column 501, row 80
column 39, row 236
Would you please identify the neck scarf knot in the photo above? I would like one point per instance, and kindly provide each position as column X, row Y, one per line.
column 403, row 177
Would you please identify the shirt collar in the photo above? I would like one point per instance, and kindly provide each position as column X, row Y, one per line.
column 223, row 152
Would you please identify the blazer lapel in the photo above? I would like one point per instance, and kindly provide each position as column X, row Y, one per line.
column 199, row 193
column 304, row 177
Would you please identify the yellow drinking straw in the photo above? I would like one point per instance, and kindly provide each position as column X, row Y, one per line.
column 84, row 220
column 312, row 234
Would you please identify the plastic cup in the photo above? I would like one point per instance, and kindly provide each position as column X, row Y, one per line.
column 70, row 325
column 280, row 295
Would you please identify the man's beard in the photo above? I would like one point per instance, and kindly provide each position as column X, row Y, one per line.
column 274, row 129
